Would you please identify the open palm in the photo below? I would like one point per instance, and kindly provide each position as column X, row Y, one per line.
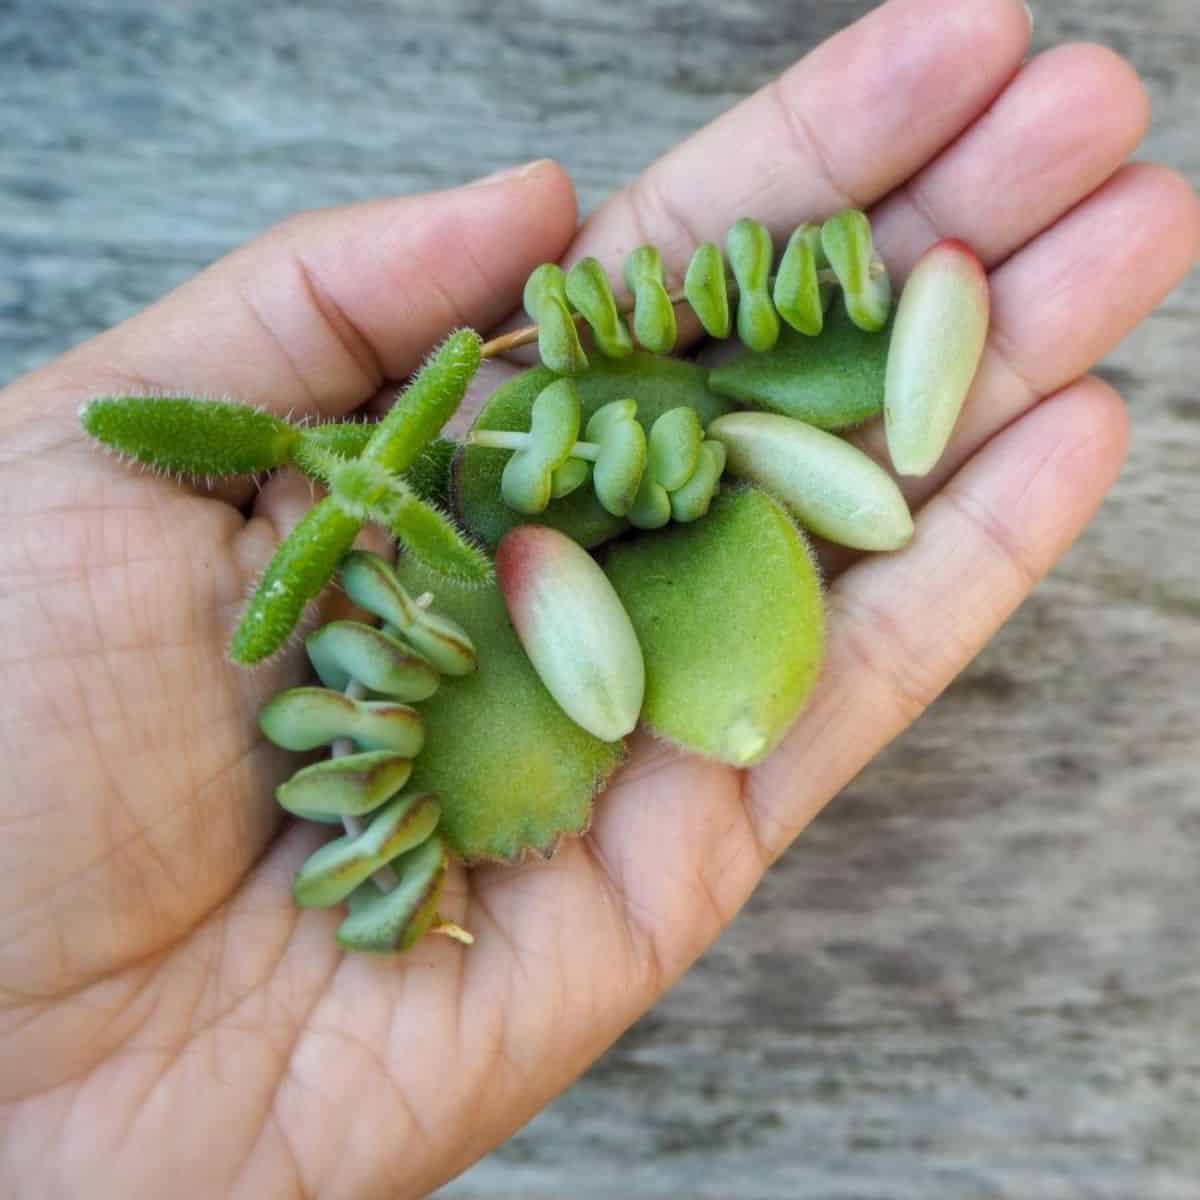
column 170, row 1023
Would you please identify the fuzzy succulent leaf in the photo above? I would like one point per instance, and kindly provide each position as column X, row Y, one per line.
column 428, row 402
column 833, row 381
column 191, row 437
column 436, row 540
column 342, row 439
column 657, row 384
column 389, row 922
column 301, row 567
column 512, row 770
column 728, row 613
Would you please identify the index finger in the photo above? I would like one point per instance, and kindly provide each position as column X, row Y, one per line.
column 841, row 128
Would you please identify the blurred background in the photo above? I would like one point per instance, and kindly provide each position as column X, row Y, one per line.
column 977, row 975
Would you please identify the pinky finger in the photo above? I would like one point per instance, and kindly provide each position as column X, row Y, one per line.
column 901, row 627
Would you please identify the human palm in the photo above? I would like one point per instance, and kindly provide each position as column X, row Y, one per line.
column 168, row 1018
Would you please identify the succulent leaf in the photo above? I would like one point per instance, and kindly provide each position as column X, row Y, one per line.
column 428, row 402
column 388, row 922
column 750, row 256
column 655, row 383
column 191, row 437
column 527, row 481
column 545, row 301
column 512, row 770
column 653, row 313
column 618, row 471
column 728, row 613
column 300, row 568
column 372, row 584
column 330, row 874
column 707, row 290
column 691, row 502
column 833, row 381
column 937, row 343
column 590, row 291
column 673, row 447
column 344, row 650
column 849, row 246
column 800, row 297
column 830, row 486
column 436, row 540
column 573, row 628
column 351, row 785
column 304, row 718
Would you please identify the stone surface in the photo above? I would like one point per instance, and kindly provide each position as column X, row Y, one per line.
column 977, row 974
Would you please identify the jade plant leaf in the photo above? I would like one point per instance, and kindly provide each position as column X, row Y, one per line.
column 833, row 381
column 657, row 384
column 728, row 612
column 512, row 771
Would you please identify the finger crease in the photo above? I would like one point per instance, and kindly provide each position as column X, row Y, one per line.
column 808, row 146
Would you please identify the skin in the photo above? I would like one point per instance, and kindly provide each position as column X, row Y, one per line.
column 165, row 1010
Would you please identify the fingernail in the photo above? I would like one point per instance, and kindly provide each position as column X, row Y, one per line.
column 1029, row 14
column 507, row 173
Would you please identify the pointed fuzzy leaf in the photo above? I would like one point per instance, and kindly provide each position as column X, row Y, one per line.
column 351, row 785
column 344, row 439
column 655, row 383
column 512, row 771
column 330, row 874
column 428, row 402
column 344, row 650
column 833, row 381
column 295, row 576
column 191, row 437
column 728, row 613
column 389, row 922
column 573, row 628
column 830, row 486
column 940, row 333
column 433, row 538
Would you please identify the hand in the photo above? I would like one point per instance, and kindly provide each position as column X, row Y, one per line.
column 166, row 1013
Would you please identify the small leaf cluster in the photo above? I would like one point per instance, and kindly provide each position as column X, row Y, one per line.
column 390, row 869
column 817, row 260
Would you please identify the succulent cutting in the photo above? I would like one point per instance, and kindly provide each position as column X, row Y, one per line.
column 621, row 538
